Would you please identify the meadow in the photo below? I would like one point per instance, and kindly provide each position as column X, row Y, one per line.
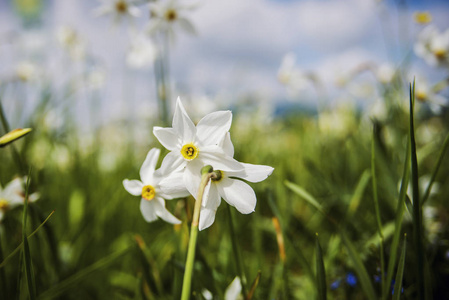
column 355, row 208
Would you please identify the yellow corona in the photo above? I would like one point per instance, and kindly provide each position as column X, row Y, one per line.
column 148, row 192
column 189, row 151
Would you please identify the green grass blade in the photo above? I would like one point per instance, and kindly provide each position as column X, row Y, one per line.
column 436, row 169
column 26, row 249
column 290, row 238
column 72, row 281
column 358, row 193
column 305, row 195
column 359, row 268
column 320, row 272
column 236, row 251
column 417, row 211
column 20, row 246
column 3, row 280
column 399, row 216
column 400, row 272
column 147, row 276
column 377, row 211
column 253, row 286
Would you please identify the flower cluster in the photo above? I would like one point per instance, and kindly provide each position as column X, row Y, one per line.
column 191, row 148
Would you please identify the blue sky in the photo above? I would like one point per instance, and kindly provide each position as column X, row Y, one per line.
column 240, row 44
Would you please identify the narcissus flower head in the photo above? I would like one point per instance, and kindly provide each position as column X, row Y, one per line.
column 13, row 195
column 152, row 203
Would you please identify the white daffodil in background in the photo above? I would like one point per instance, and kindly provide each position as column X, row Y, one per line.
column 142, row 52
column 424, row 93
column 193, row 147
column 291, row 76
column 233, row 292
column 152, row 204
column 13, row 195
column 70, row 40
column 118, row 8
column 433, row 46
column 385, row 73
column 168, row 15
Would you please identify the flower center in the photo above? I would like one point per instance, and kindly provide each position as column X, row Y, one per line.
column 421, row 95
column 4, row 205
column 217, row 176
column 189, row 151
column 171, row 15
column 121, row 7
column 148, row 192
column 439, row 53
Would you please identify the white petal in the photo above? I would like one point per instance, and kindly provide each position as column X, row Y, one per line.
column 167, row 137
column 207, row 214
column 215, row 157
column 238, row 194
column 33, row 197
column 213, row 127
column 163, row 213
column 134, row 187
column 187, row 25
column 172, row 162
column 234, row 291
column 148, row 210
column 192, row 177
column 173, row 186
column 182, row 124
column 149, row 165
column 227, row 146
column 252, row 173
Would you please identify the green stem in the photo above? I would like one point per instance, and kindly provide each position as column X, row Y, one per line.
column 187, row 282
column 236, row 251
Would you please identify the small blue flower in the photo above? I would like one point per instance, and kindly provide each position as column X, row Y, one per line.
column 392, row 287
column 376, row 278
column 336, row 284
column 351, row 279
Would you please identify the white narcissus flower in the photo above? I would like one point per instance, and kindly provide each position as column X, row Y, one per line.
column 291, row 76
column 233, row 292
column 385, row 73
column 152, row 204
column 142, row 52
column 118, row 8
column 227, row 185
column 167, row 16
column 424, row 93
column 13, row 195
column 193, row 147
column 433, row 46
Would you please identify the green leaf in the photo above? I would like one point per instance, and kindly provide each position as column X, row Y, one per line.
column 436, row 168
column 359, row 268
column 320, row 272
column 358, row 193
column 399, row 216
column 75, row 279
column 400, row 272
column 417, row 211
column 26, row 249
column 305, row 195
column 20, row 246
